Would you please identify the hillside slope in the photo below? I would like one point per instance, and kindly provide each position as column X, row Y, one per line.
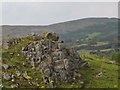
column 90, row 75
column 61, row 28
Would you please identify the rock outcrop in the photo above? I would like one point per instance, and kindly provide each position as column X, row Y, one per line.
column 56, row 62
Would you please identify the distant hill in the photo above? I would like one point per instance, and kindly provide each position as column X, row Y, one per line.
column 105, row 28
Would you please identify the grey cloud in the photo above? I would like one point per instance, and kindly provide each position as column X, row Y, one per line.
column 51, row 12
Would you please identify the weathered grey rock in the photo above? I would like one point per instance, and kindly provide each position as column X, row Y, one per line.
column 14, row 86
column 13, row 80
column 1, row 86
column 5, row 66
column 23, row 64
column 18, row 54
column 25, row 74
column 100, row 74
column 12, row 76
column 11, row 53
column 18, row 73
column 81, row 82
column 6, row 76
column 84, row 64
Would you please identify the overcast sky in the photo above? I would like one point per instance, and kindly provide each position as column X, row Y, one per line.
column 38, row 13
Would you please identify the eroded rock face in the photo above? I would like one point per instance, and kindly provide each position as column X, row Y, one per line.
column 55, row 61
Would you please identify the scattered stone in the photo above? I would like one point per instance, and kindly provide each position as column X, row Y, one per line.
column 13, row 80
column 1, row 86
column 6, row 76
column 99, row 74
column 23, row 64
column 12, row 76
column 84, row 64
column 11, row 53
column 81, row 82
column 18, row 54
column 25, row 74
column 18, row 73
column 5, row 66
column 14, row 86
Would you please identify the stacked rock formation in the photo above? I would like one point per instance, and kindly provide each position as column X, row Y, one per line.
column 55, row 61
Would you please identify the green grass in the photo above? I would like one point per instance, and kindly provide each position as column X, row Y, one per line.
column 15, row 61
column 91, row 36
column 94, row 34
column 97, row 64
